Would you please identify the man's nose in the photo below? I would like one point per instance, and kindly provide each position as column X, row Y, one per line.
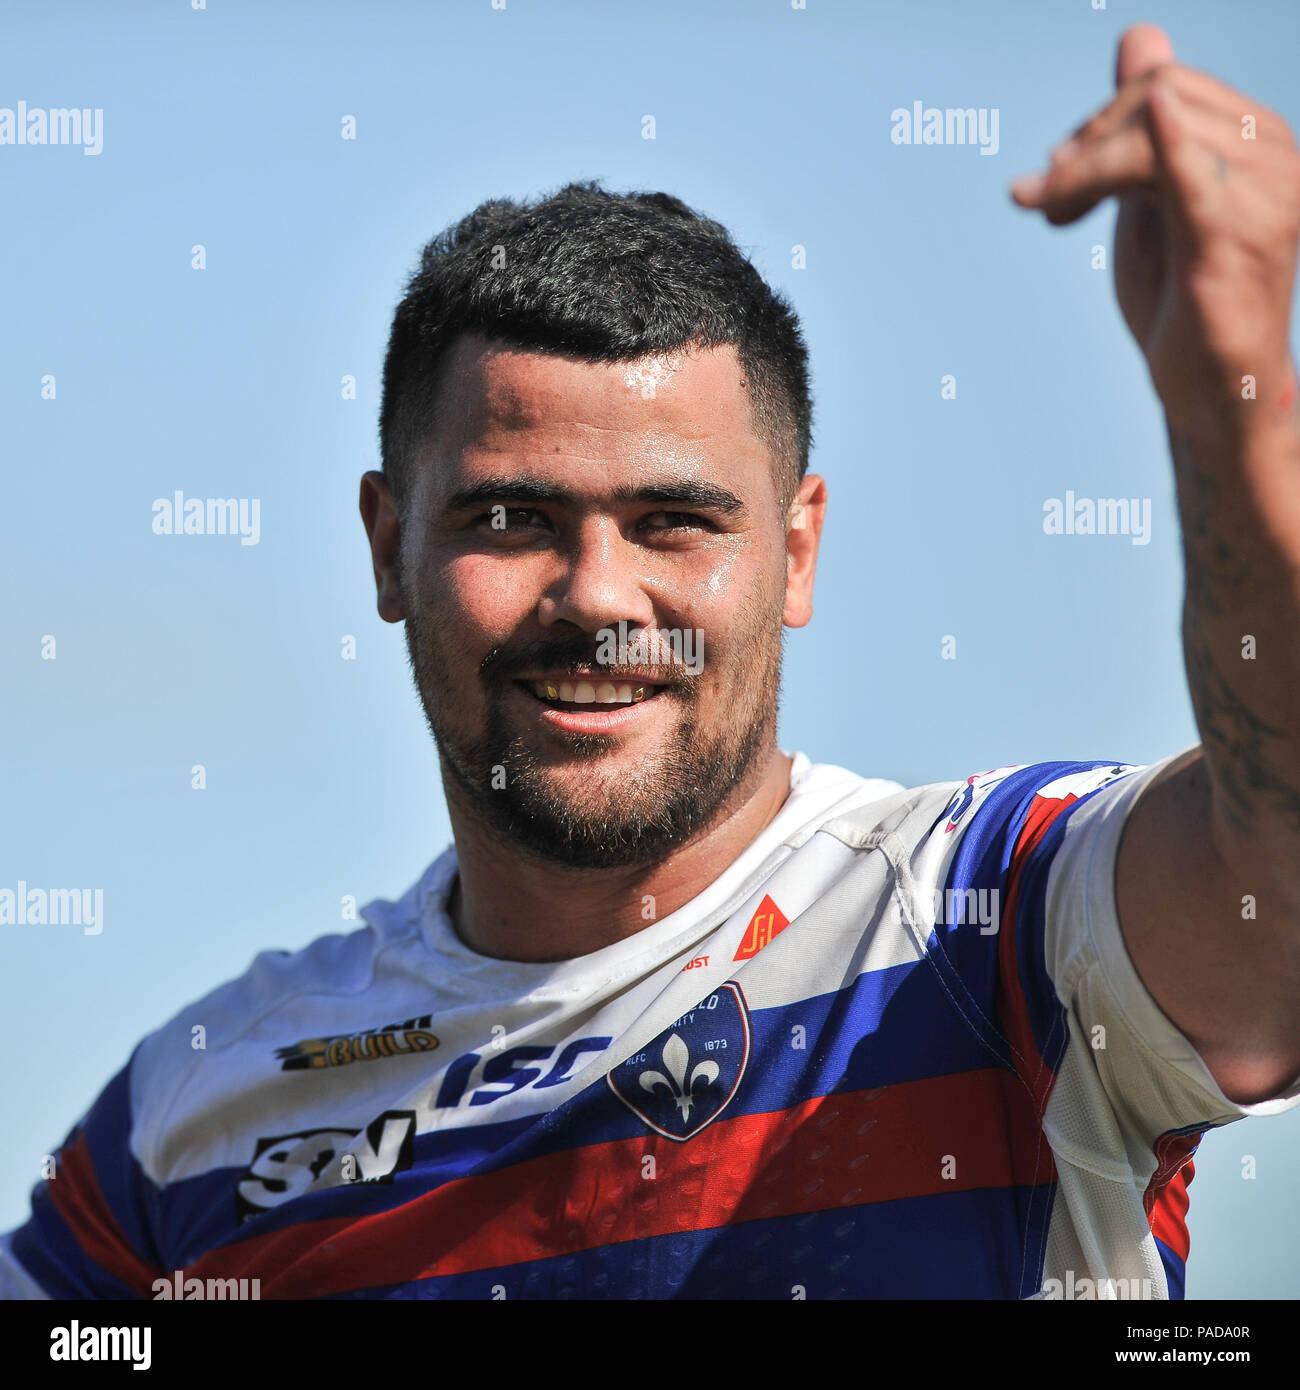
column 600, row 582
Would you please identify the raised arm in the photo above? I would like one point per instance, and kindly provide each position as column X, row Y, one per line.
column 1208, row 881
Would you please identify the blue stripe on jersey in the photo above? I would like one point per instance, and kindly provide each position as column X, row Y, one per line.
column 981, row 862
column 973, row 1247
column 1175, row 1270
column 130, row 1195
column 47, row 1247
column 53, row 1256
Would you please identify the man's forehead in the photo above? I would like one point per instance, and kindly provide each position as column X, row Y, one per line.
column 491, row 390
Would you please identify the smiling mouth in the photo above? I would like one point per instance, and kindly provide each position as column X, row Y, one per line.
column 589, row 695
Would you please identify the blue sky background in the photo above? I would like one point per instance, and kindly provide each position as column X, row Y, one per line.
column 222, row 128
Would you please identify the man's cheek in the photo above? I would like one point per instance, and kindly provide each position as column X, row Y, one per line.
column 486, row 598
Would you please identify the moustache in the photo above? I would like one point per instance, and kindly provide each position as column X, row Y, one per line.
column 577, row 657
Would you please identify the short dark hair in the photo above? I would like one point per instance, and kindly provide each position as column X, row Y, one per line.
column 603, row 277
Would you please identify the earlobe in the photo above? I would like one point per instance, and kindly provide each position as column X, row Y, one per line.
column 384, row 530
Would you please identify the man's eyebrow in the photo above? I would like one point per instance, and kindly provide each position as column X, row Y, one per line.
column 504, row 489
column 707, row 496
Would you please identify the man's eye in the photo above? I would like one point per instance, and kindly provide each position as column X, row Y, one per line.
column 503, row 519
column 677, row 521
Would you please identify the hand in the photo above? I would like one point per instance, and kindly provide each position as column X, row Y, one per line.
column 1206, row 240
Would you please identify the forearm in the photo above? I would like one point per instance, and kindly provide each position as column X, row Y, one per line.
column 1238, row 479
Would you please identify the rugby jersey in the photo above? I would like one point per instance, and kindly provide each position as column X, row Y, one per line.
column 897, row 1049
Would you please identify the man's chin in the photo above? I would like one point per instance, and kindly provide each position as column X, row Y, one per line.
column 581, row 837
column 597, row 818
column 603, row 814
column 598, row 803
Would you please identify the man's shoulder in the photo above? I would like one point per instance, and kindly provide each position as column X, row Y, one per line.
column 336, row 963
column 283, row 996
column 997, row 804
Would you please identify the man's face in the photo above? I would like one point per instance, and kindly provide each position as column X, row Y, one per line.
column 562, row 511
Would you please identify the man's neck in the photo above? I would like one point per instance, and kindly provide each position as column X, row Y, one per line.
column 514, row 906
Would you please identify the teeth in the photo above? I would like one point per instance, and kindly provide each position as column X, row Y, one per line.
column 590, row 692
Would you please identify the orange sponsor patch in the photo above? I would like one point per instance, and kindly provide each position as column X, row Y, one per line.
column 768, row 921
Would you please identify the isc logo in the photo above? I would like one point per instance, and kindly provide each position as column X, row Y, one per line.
column 511, row 1071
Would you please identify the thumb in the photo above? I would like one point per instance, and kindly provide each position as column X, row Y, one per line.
column 1141, row 48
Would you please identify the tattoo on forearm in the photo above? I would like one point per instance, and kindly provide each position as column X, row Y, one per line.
column 1198, row 493
column 1253, row 761
column 1245, row 752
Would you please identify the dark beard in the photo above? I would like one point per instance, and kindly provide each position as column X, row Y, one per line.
column 692, row 784
column 508, row 784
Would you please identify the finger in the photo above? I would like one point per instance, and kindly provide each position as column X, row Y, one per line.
column 1122, row 109
column 1188, row 167
column 1207, row 114
column 1142, row 48
column 1199, row 91
column 1121, row 163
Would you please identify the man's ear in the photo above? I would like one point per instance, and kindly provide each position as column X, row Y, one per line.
column 803, row 534
column 384, row 528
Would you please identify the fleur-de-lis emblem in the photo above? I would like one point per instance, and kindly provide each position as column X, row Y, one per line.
column 679, row 1099
column 677, row 1058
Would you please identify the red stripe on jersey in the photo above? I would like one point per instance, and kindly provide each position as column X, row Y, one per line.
column 837, row 1151
column 1168, row 1216
column 1165, row 1200
column 1012, row 1010
column 78, row 1200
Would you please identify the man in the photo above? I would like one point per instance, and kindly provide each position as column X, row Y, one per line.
column 683, row 1016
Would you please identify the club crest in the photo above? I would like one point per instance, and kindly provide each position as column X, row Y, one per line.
column 685, row 1079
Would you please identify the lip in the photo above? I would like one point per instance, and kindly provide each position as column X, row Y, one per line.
column 600, row 719
column 633, row 675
